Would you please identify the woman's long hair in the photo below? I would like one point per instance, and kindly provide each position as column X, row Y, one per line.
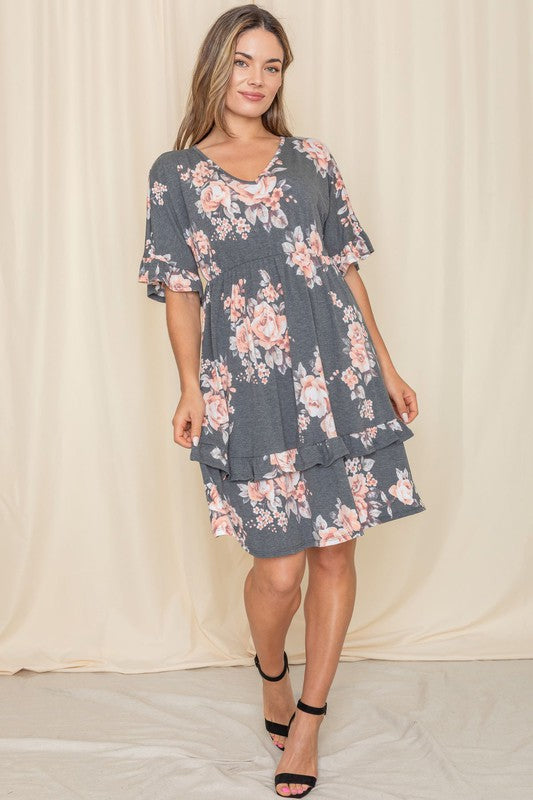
column 212, row 74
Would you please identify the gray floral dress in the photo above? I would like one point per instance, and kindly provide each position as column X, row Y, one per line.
column 300, row 445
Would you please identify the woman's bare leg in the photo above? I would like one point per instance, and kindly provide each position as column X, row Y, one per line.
column 272, row 595
column 328, row 608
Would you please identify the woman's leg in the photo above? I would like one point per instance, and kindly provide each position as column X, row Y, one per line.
column 328, row 608
column 272, row 595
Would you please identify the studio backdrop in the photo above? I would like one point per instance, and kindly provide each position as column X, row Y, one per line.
column 107, row 558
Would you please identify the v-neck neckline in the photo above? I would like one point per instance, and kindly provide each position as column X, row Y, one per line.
column 265, row 171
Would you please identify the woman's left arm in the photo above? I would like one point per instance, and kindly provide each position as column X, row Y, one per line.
column 402, row 396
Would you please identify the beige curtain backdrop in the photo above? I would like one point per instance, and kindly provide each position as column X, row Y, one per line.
column 108, row 562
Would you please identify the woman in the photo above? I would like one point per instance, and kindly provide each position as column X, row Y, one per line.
column 289, row 399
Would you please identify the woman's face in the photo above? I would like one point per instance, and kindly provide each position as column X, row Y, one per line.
column 256, row 73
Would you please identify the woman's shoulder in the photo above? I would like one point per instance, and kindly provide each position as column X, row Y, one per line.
column 169, row 159
column 314, row 150
column 311, row 144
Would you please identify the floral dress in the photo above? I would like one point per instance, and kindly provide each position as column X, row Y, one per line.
column 300, row 445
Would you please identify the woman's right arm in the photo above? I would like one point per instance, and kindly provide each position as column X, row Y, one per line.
column 184, row 330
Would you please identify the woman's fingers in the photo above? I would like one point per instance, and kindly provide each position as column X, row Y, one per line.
column 408, row 405
column 182, row 428
column 187, row 424
column 196, row 427
column 412, row 404
column 405, row 404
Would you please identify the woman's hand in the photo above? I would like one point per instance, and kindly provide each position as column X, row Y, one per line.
column 187, row 420
column 403, row 398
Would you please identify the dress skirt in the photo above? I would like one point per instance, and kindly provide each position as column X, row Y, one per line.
column 316, row 507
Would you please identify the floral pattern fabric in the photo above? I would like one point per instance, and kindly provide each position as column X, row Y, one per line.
column 300, row 445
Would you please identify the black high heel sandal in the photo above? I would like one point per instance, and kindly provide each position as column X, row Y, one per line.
column 270, row 725
column 295, row 777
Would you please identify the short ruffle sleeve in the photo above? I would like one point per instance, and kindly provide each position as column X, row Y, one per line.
column 168, row 257
column 344, row 238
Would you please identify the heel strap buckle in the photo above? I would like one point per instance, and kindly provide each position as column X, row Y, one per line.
column 275, row 677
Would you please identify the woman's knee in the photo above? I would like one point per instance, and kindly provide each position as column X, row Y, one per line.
column 334, row 558
column 280, row 575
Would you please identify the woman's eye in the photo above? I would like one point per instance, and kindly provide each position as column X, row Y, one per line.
column 240, row 61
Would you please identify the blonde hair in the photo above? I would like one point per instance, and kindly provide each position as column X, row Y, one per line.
column 213, row 70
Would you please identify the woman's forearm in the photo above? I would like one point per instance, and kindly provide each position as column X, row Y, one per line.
column 358, row 289
column 184, row 330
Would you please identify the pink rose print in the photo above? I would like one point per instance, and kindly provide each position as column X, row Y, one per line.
column 325, row 534
column 317, row 152
column 235, row 207
column 236, row 302
column 256, row 194
column 273, row 500
column 215, row 195
column 244, row 338
column 259, row 335
column 305, row 253
column 292, row 485
column 349, row 376
column 284, row 460
column 181, row 282
column 268, row 327
column 312, row 394
column 158, row 190
column 359, row 488
column 216, row 410
column 224, row 519
column 403, row 488
column 217, row 390
column 359, row 356
column 261, row 490
column 348, row 519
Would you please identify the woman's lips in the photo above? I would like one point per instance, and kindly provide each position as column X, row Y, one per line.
column 252, row 96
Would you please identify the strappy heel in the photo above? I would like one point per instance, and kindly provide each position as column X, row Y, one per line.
column 271, row 726
column 295, row 777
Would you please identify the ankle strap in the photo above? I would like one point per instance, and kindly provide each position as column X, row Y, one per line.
column 312, row 709
column 276, row 677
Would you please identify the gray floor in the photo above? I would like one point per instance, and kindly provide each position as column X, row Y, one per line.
column 415, row 730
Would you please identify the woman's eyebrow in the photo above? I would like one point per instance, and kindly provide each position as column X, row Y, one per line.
column 239, row 52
